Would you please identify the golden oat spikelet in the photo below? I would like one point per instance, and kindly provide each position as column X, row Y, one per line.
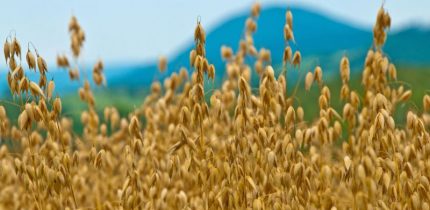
column 41, row 64
column 162, row 64
column 98, row 78
column 226, row 52
column 344, row 69
column 23, row 120
column 23, row 84
column 392, row 71
column 309, row 80
column 255, row 10
column 73, row 23
column 57, row 106
column 6, row 50
column 347, row 161
column 318, row 75
column 405, row 96
column 251, row 25
column 199, row 33
column 31, row 60
column 16, row 48
column 289, row 18
column 36, row 90
column 50, row 89
column 193, row 55
column 264, row 55
column 426, row 103
column 288, row 33
column 297, row 59
column 211, row 72
column 288, row 54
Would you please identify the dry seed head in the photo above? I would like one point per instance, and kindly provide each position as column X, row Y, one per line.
column 251, row 26
column 255, row 10
column 74, row 74
column 134, row 127
column 297, row 59
column 226, row 52
column 377, row 155
column 185, row 115
column 405, row 96
column 326, row 92
column 288, row 54
column 380, row 121
column 244, row 87
column 57, row 105
column 35, row 90
column 264, row 55
column 288, row 33
column 23, row 84
column 162, row 63
column 289, row 18
column 318, row 74
column 290, row 116
column 199, row 33
column 23, row 120
column 355, row 100
column 193, row 55
column 98, row 78
column 73, row 23
column 300, row 113
column 271, row 158
column 347, row 162
column 344, row 91
column 43, row 81
column 99, row 66
column 41, row 64
column 344, row 69
column 2, row 112
column 6, row 50
column 16, row 48
column 259, row 67
column 62, row 61
column 323, row 102
column 392, row 72
column 31, row 60
column 309, row 79
column 426, row 102
column 50, row 89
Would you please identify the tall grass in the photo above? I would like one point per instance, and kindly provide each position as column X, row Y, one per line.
column 188, row 146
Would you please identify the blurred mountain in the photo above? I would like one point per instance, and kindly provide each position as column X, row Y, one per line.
column 322, row 41
column 409, row 46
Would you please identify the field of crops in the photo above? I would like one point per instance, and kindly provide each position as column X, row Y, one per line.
column 348, row 141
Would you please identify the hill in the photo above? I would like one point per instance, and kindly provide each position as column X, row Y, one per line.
column 322, row 41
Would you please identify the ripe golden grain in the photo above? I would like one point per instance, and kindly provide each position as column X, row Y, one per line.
column 162, row 63
column 31, row 60
column 41, row 65
column 309, row 79
column 6, row 50
column 289, row 18
column 50, row 89
column 297, row 59
column 250, row 147
column 35, row 89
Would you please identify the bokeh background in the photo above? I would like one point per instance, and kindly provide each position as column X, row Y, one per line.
column 130, row 35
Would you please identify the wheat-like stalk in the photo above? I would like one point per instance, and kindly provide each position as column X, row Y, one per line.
column 249, row 148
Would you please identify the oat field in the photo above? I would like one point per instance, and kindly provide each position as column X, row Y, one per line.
column 235, row 147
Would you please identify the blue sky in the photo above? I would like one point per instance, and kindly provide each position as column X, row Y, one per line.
column 137, row 31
